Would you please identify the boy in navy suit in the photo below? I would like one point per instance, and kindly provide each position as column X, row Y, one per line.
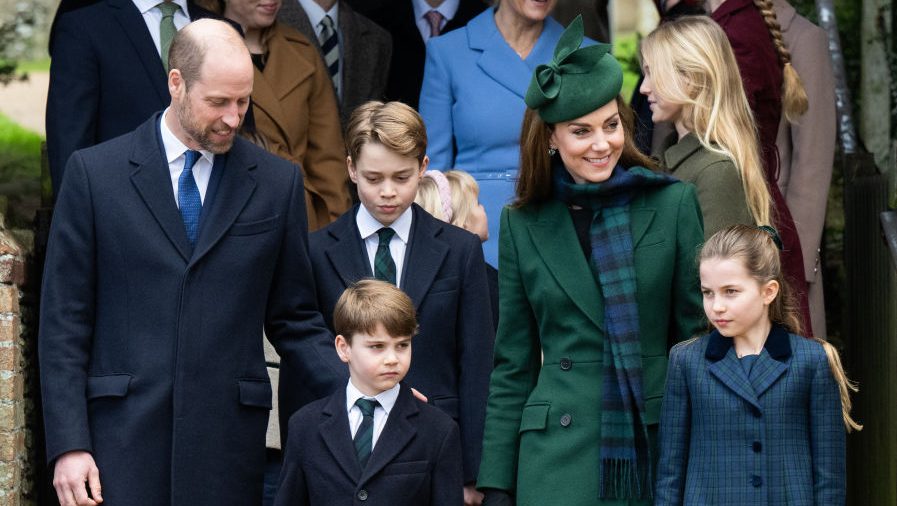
column 440, row 267
column 373, row 441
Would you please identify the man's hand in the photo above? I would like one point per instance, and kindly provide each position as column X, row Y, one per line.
column 472, row 497
column 73, row 469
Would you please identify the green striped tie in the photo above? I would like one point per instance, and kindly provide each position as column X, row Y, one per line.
column 364, row 438
column 384, row 266
column 167, row 29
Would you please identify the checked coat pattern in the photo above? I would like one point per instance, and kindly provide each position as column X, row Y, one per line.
column 775, row 437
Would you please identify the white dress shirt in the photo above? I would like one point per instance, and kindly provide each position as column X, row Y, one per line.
column 448, row 9
column 368, row 227
column 387, row 400
column 152, row 16
column 174, row 155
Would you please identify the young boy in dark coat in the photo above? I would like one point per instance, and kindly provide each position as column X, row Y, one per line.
column 440, row 266
column 373, row 441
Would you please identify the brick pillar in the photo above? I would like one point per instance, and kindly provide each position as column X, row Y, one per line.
column 12, row 425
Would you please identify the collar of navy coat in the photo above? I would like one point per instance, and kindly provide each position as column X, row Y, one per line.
column 153, row 182
column 134, row 27
column 335, row 432
column 772, row 363
column 350, row 259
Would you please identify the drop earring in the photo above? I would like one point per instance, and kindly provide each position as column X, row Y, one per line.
column 552, row 151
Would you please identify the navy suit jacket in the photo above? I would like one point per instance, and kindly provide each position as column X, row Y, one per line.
column 444, row 274
column 416, row 461
column 150, row 349
column 106, row 77
column 775, row 436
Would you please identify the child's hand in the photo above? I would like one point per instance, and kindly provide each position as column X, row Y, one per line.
column 421, row 397
column 472, row 497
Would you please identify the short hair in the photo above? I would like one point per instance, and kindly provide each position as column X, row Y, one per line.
column 395, row 125
column 188, row 50
column 368, row 302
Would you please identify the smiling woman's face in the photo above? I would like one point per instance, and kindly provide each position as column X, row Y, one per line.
column 591, row 146
column 531, row 10
column 252, row 14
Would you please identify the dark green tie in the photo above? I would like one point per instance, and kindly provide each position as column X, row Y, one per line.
column 384, row 267
column 166, row 29
column 364, row 438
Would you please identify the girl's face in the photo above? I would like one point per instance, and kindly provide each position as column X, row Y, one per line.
column 661, row 110
column 252, row 14
column 591, row 146
column 478, row 223
column 734, row 302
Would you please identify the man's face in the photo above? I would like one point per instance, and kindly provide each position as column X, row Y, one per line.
column 211, row 110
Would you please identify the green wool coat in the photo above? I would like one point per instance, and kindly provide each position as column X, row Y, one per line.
column 720, row 191
column 543, row 420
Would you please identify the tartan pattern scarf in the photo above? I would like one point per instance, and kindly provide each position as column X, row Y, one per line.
column 625, row 464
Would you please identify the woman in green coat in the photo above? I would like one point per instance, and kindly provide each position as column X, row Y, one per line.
column 597, row 281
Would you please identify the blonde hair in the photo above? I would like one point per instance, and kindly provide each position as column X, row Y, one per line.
column 395, row 125
column 691, row 63
column 534, row 183
column 794, row 96
column 369, row 302
column 758, row 253
column 464, row 192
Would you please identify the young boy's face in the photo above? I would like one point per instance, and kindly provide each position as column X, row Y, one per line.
column 377, row 361
column 387, row 181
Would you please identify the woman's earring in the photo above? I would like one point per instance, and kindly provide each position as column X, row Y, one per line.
column 552, row 151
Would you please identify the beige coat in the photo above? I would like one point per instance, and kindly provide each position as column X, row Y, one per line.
column 807, row 148
column 296, row 112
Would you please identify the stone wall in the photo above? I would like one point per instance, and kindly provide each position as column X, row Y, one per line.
column 13, row 454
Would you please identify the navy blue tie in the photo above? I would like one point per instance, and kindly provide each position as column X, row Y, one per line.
column 188, row 196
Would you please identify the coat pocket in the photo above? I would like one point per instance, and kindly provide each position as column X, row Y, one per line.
column 255, row 393
column 110, row 385
column 413, row 467
column 534, row 416
column 444, row 285
column 254, row 227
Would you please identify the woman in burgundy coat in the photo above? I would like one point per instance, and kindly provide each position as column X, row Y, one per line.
column 770, row 83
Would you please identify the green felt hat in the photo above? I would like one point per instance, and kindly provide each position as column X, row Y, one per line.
column 576, row 81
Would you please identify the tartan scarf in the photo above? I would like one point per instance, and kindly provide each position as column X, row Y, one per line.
column 625, row 465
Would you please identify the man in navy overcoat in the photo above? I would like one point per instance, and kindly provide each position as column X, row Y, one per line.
column 152, row 368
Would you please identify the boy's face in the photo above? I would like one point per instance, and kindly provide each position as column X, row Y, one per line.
column 377, row 361
column 387, row 181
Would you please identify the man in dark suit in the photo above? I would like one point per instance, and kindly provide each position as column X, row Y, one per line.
column 358, row 56
column 411, row 23
column 106, row 75
column 172, row 247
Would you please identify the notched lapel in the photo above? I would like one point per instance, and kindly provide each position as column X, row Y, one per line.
column 396, row 435
column 425, row 256
column 765, row 372
column 731, row 373
column 641, row 218
column 555, row 239
column 153, row 183
column 135, row 30
column 236, row 186
column 348, row 255
column 338, row 437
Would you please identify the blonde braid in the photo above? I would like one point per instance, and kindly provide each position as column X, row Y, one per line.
column 794, row 96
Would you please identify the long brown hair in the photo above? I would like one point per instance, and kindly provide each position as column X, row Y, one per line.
column 756, row 250
column 534, row 184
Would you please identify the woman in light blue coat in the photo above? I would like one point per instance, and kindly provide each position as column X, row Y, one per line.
column 475, row 79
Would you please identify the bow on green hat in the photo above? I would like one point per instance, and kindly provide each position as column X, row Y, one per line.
column 577, row 81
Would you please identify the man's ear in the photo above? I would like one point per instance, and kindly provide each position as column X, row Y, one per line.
column 176, row 83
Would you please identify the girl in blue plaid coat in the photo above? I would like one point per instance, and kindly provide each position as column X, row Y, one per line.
column 753, row 413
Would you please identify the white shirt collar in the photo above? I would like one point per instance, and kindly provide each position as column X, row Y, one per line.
column 145, row 6
column 387, row 398
column 315, row 13
column 448, row 8
column 368, row 225
column 173, row 146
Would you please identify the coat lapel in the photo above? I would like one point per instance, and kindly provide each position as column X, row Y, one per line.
column 134, row 27
column 498, row 60
column 292, row 13
column 334, row 430
column 153, row 183
column 724, row 365
column 773, row 362
column 640, row 218
column 236, row 186
column 348, row 254
column 396, row 435
column 424, row 257
column 555, row 238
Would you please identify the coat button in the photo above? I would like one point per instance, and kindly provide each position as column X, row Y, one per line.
column 566, row 364
column 757, row 446
column 756, row 481
column 566, row 420
column 756, row 412
column 362, row 495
